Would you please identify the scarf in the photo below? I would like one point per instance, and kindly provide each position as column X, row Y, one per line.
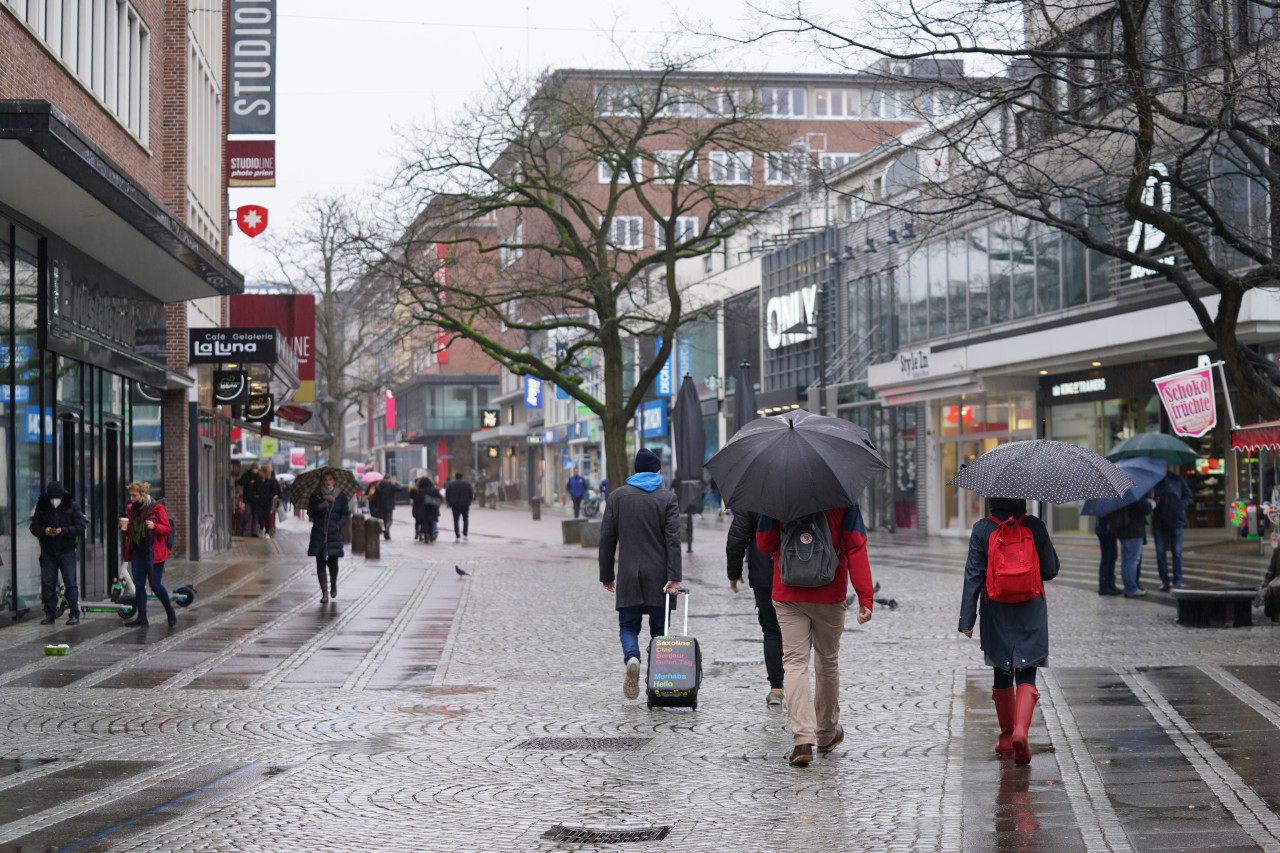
column 138, row 523
column 328, row 496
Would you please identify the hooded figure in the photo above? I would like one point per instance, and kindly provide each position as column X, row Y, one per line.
column 58, row 523
column 641, row 529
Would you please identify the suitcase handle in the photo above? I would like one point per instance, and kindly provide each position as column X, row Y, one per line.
column 666, row 613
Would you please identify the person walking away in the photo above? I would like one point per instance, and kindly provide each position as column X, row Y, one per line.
column 1173, row 496
column 58, row 526
column 1108, row 546
column 640, row 531
column 146, row 528
column 459, row 495
column 813, row 617
column 249, row 483
column 1130, row 526
column 740, row 545
column 1015, row 634
column 328, row 510
column 269, row 492
column 426, row 508
column 382, row 503
column 576, row 487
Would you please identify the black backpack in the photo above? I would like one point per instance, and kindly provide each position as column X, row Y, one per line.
column 807, row 557
column 172, row 537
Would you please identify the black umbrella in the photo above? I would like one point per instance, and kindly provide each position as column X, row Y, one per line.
column 788, row 466
column 744, row 398
column 691, row 448
column 309, row 480
column 1042, row 470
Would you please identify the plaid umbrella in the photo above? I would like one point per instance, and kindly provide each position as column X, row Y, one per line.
column 309, row 480
column 1042, row 470
column 1158, row 444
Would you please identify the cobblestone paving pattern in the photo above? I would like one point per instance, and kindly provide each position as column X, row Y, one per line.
column 395, row 718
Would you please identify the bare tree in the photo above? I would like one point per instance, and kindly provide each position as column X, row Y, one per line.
column 549, row 222
column 1144, row 129
column 321, row 256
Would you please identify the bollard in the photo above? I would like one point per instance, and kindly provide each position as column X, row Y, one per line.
column 536, row 503
column 373, row 539
column 357, row 534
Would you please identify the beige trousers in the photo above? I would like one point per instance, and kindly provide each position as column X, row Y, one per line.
column 812, row 715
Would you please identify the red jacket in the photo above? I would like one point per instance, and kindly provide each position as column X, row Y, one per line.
column 159, row 534
column 849, row 536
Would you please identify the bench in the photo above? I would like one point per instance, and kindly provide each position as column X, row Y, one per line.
column 591, row 534
column 1221, row 607
column 571, row 530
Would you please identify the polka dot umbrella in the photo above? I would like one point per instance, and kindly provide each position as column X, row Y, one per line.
column 1042, row 470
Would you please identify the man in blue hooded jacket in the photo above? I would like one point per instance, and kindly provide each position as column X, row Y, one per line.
column 641, row 529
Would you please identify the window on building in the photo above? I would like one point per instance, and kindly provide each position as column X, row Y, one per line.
column 728, row 102
column 606, row 169
column 781, row 101
column 799, row 220
column 626, row 232
column 831, row 162
column 853, row 205
column 672, row 165
column 686, row 229
column 105, row 46
column 730, row 167
column 617, row 99
column 681, row 102
column 781, row 168
column 829, row 103
column 514, row 251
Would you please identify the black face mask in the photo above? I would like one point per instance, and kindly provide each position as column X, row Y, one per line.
column 139, row 502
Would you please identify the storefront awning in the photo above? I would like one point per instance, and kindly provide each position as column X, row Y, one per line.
column 56, row 177
column 297, row 436
column 1256, row 437
column 508, row 434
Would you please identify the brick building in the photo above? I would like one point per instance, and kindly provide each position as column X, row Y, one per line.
column 112, row 244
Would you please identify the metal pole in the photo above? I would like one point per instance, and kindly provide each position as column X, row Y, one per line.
column 822, row 356
column 1226, row 394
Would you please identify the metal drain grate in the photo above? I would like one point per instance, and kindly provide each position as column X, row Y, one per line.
column 586, row 835
column 737, row 663
column 585, row 744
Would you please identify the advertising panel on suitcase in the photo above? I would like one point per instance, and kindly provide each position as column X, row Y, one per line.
column 674, row 665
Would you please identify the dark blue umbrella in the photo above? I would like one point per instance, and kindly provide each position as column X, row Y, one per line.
column 1145, row 471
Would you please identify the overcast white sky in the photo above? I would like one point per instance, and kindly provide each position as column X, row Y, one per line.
column 350, row 73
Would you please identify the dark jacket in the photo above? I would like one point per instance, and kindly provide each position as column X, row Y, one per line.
column 66, row 516
column 326, row 525
column 250, row 484
column 426, row 502
column 1013, row 636
column 268, row 490
column 1173, row 497
column 1130, row 522
column 742, row 543
column 641, row 529
column 382, row 501
column 458, row 494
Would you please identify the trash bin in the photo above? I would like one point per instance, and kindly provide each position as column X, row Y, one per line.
column 373, row 539
column 357, row 534
column 535, row 503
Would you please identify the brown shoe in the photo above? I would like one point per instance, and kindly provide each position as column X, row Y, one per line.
column 801, row 755
column 834, row 742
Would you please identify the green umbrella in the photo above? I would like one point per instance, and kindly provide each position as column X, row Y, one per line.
column 1157, row 444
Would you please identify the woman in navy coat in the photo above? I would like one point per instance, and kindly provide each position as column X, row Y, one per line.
column 328, row 510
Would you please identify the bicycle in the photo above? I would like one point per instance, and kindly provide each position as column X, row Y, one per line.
column 591, row 504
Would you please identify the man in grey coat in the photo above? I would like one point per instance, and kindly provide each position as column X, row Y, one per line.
column 642, row 520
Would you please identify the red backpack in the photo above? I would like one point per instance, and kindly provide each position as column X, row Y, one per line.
column 1013, row 565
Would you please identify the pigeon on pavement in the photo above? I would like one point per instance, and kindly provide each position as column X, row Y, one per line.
column 460, row 572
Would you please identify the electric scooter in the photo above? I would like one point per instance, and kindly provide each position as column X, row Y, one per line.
column 123, row 599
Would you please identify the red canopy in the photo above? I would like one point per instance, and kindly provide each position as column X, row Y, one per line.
column 1256, row 437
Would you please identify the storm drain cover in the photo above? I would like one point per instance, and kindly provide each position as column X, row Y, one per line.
column 587, row 835
column 737, row 663
column 585, row 744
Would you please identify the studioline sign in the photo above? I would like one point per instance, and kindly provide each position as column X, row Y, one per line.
column 253, row 67
column 251, row 162
column 242, row 346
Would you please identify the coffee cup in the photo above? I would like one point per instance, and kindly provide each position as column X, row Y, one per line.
column 124, row 523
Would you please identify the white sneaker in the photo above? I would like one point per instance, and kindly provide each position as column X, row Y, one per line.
column 631, row 683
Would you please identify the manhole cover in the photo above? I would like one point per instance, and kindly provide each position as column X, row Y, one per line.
column 587, row 835
column 585, row 744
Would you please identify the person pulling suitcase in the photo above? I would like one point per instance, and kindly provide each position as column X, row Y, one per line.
column 640, row 530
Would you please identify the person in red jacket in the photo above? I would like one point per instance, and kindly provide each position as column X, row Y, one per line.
column 145, row 529
column 815, row 616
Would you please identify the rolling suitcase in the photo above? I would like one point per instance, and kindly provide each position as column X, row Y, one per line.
column 675, row 666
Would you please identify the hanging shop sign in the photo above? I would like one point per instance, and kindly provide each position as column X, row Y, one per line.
column 790, row 318
column 251, row 219
column 230, row 387
column 1189, row 399
column 251, row 162
column 532, row 392
column 293, row 414
column 260, row 408
column 252, row 51
column 217, row 344
column 489, row 418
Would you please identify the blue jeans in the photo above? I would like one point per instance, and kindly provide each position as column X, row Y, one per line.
column 51, row 566
column 1130, row 553
column 1169, row 537
column 146, row 572
column 630, row 620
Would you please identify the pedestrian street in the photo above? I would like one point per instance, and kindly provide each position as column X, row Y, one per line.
column 427, row 710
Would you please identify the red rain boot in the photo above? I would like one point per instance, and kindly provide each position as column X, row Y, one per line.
column 1024, row 707
column 1003, row 698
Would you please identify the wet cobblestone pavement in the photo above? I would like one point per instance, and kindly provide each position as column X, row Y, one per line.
column 423, row 710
